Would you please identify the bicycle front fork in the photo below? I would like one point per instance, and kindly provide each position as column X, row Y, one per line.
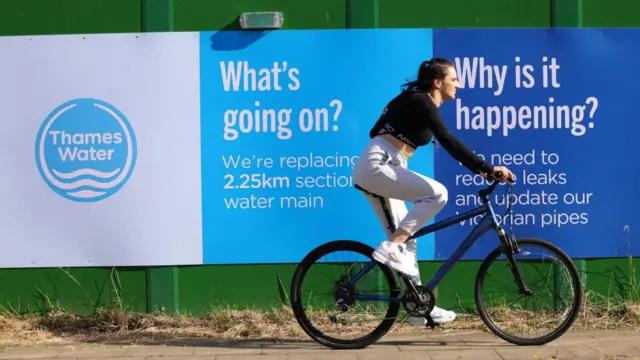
column 512, row 248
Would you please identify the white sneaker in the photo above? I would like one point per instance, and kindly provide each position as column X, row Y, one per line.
column 438, row 315
column 413, row 260
column 395, row 257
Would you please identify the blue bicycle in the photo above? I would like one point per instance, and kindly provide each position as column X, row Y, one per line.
column 346, row 293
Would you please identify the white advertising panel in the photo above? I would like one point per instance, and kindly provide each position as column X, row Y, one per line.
column 100, row 150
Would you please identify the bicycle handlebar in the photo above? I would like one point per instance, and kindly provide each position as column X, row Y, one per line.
column 484, row 193
column 499, row 175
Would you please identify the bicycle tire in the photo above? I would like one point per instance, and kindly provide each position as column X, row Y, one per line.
column 575, row 278
column 303, row 320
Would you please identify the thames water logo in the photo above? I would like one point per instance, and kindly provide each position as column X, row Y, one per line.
column 86, row 150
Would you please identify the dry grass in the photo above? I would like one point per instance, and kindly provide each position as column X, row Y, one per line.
column 113, row 326
column 116, row 325
column 602, row 313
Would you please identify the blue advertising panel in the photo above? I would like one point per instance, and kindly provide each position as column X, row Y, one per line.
column 285, row 115
column 266, row 126
column 558, row 107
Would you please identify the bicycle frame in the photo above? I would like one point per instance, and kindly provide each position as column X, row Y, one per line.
column 487, row 223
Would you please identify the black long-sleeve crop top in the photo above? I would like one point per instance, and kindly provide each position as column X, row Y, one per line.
column 413, row 118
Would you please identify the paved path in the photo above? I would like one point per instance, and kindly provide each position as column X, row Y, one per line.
column 454, row 345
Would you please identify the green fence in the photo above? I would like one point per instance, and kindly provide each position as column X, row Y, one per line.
column 196, row 289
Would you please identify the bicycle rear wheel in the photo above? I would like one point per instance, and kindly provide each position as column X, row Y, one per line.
column 549, row 279
column 335, row 312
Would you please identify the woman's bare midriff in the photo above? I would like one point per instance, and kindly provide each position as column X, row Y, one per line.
column 405, row 149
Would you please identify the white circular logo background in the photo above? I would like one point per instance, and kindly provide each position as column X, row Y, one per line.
column 86, row 150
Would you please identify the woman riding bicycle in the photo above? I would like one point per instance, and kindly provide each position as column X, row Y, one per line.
column 411, row 120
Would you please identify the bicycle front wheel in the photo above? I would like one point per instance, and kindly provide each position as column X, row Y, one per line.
column 324, row 302
column 545, row 314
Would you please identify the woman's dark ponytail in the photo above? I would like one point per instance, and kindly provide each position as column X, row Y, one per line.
column 429, row 70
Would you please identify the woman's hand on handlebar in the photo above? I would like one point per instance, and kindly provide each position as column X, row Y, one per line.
column 501, row 173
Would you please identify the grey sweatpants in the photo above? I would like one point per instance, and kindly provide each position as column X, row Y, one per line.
column 382, row 170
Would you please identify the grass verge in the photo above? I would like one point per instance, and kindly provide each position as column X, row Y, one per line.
column 117, row 326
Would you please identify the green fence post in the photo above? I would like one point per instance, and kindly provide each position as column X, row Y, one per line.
column 162, row 282
column 362, row 14
column 569, row 13
column 566, row 13
column 157, row 15
column 162, row 289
